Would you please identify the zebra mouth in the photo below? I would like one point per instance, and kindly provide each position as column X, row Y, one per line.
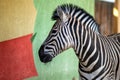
column 45, row 58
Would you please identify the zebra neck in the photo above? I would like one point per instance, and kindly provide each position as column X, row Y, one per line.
column 90, row 23
column 88, row 52
column 87, row 21
column 87, row 46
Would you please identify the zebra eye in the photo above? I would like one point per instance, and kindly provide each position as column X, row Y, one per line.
column 54, row 31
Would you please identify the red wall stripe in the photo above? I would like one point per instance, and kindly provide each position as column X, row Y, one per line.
column 16, row 59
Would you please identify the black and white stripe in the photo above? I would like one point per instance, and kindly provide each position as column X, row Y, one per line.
column 99, row 56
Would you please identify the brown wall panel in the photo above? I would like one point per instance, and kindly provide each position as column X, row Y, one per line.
column 104, row 16
column 118, row 16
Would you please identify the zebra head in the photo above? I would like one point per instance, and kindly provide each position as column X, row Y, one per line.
column 58, row 38
column 66, row 31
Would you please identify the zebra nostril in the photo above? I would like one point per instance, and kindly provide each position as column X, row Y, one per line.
column 44, row 57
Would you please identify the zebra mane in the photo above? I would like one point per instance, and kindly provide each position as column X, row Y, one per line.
column 71, row 10
column 68, row 9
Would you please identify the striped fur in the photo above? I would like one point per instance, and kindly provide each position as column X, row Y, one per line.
column 99, row 56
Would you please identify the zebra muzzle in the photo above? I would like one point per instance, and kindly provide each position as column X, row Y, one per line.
column 44, row 57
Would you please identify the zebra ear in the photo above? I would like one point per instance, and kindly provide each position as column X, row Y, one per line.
column 62, row 15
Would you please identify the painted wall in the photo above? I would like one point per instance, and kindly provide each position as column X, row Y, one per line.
column 65, row 65
column 16, row 18
column 16, row 27
column 16, row 59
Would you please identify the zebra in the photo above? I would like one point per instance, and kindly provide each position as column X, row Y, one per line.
column 99, row 55
column 115, row 36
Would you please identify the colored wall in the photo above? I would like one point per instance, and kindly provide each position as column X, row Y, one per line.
column 17, row 19
column 65, row 65
column 16, row 59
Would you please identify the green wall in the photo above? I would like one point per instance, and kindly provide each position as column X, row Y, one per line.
column 65, row 65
